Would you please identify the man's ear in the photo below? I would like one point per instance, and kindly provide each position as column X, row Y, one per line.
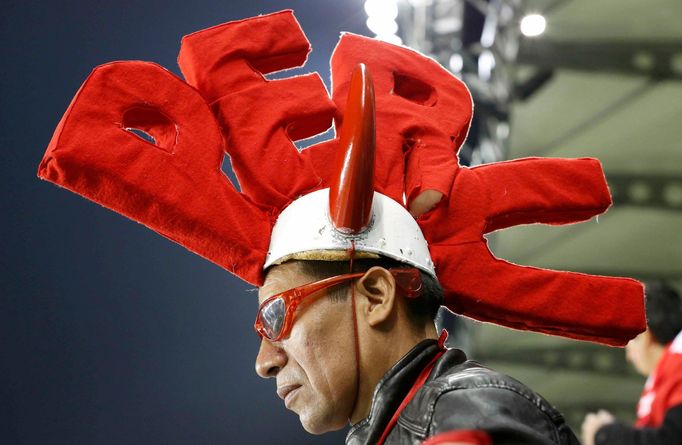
column 378, row 287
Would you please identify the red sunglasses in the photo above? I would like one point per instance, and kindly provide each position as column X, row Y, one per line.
column 276, row 314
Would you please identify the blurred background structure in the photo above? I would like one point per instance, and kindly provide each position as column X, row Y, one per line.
column 569, row 78
column 111, row 334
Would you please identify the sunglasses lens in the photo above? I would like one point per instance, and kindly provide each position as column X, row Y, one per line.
column 272, row 317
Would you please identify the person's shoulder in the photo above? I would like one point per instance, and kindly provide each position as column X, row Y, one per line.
column 472, row 396
column 479, row 384
column 675, row 347
column 670, row 365
column 471, row 375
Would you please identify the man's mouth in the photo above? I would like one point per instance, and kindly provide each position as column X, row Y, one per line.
column 287, row 392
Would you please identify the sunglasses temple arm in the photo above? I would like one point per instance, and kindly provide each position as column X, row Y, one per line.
column 329, row 282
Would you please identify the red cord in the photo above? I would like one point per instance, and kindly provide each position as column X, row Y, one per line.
column 421, row 379
column 355, row 334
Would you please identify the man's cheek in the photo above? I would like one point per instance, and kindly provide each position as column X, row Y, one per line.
column 312, row 329
column 302, row 336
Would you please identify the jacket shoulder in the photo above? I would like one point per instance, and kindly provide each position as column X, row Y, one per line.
column 470, row 396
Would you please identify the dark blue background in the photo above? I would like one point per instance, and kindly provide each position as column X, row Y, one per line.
column 109, row 333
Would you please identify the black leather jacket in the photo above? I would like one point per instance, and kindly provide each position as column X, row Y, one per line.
column 459, row 394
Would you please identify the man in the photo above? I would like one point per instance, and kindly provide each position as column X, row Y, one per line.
column 315, row 366
column 382, row 217
column 657, row 354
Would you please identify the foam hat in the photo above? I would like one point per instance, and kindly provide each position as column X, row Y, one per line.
column 315, row 202
column 350, row 217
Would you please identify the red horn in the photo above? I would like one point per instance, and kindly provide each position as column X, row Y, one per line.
column 352, row 185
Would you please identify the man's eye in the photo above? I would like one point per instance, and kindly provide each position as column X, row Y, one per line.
column 273, row 317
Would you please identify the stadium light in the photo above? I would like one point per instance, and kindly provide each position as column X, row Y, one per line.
column 533, row 25
column 381, row 19
column 382, row 8
column 486, row 64
column 456, row 63
column 381, row 25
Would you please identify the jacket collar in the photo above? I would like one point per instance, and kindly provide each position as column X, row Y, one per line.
column 390, row 392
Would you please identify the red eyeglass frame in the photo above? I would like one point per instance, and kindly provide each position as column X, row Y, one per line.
column 408, row 280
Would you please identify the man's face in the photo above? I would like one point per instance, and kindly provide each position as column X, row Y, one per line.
column 315, row 366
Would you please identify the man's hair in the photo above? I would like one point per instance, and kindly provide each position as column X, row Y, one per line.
column 663, row 311
column 420, row 310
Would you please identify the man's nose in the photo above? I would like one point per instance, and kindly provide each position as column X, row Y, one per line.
column 270, row 359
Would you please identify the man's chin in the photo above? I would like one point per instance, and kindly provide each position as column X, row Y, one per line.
column 317, row 425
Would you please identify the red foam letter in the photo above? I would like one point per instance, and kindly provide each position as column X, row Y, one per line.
column 551, row 191
column 260, row 118
column 422, row 114
column 175, row 187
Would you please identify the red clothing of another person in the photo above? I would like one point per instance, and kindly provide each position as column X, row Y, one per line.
column 663, row 388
